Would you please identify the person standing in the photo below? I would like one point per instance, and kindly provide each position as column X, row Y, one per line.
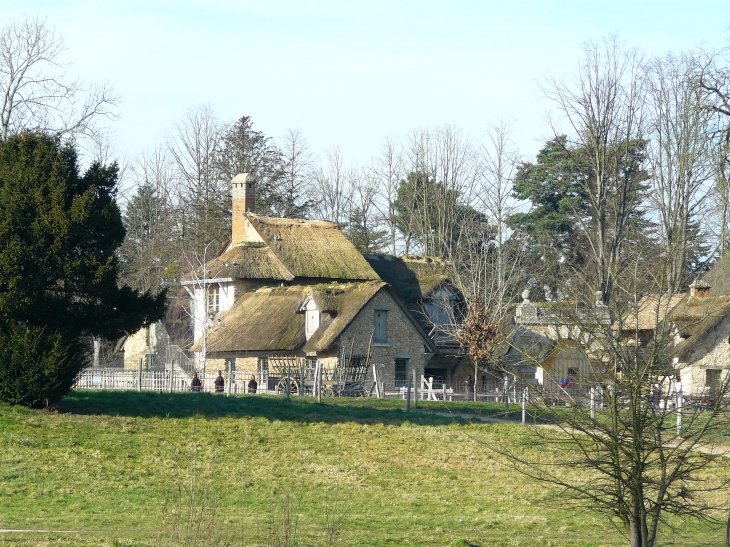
column 469, row 386
column 219, row 382
column 195, row 384
column 252, row 385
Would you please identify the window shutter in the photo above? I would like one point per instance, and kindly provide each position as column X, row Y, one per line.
column 381, row 326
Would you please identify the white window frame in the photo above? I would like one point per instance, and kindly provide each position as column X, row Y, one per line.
column 213, row 304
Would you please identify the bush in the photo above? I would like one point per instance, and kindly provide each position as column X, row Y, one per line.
column 37, row 366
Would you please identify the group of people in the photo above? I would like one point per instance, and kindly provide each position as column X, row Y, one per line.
column 220, row 383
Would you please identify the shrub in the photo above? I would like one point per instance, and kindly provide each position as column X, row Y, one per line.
column 37, row 366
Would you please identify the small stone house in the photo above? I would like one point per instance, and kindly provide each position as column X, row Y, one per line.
column 148, row 345
column 700, row 325
column 297, row 288
column 424, row 286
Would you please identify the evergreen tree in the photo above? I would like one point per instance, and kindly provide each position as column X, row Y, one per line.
column 59, row 231
column 244, row 150
column 559, row 230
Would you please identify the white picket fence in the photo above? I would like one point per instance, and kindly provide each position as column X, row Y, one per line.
column 153, row 380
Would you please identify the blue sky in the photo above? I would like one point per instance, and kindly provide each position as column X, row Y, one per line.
column 350, row 73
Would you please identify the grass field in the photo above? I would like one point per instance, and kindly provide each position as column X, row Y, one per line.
column 119, row 468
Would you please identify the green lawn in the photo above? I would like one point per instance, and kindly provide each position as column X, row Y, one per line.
column 117, row 468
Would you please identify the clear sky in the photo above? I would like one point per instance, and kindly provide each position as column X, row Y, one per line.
column 349, row 73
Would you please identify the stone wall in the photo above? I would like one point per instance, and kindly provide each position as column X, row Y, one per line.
column 403, row 340
column 148, row 344
column 715, row 353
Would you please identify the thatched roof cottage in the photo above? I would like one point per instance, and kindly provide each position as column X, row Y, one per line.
column 701, row 328
column 297, row 288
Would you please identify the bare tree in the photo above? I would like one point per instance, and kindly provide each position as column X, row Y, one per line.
column 150, row 250
column 364, row 228
column 330, row 192
column 604, row 107
column 387, row 172
column 641, row 453
column 297, row 160
column 35, row 92
column 680, row 155
column 442, row 172
column 499, row 161
column 713, row 79
column 204, row 196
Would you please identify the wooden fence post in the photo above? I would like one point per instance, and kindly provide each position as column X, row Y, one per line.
column 505, row 394
column 593, row 404
column 318, row 380
column 230, row 377
column 288, row 380
column 415, row 389
column 679, row 412
column 139, row 375
column 172, row 374
column 375, row 379
column 408, row 396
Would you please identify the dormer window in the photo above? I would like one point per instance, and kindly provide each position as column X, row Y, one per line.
column 214, row 298
column 312, row 318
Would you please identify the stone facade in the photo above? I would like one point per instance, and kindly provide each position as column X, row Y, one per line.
column 403, row 339
column 712, row 355
column 148, row 344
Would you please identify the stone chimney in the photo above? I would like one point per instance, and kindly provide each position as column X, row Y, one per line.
column 244, row 194
column 699, row 288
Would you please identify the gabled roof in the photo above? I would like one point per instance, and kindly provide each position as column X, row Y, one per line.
column 696, row 319
column 342, row 306
column 252, row 261
column 312, row 248
column 264, row 320
column 412, row 277
column 270, row 319
column 290, row 248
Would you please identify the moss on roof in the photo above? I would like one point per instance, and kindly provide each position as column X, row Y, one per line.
column 313, row 248
column 264, row 320
column 696, row 319
column 411, row 277
column 347, row 304
column 269, row 319
column 245, row 261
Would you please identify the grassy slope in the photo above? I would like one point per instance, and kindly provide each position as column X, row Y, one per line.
column 108, row 462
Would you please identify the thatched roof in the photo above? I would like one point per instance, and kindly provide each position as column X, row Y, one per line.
column 343, row 306
column 269, row 319
column 312, row 248
column 244, row 262
column 412, row 278
column 264, row 320
column 696, row 319
column 718, row 278
column 652, row 311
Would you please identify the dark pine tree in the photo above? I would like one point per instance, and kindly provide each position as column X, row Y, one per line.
column 59, row 232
